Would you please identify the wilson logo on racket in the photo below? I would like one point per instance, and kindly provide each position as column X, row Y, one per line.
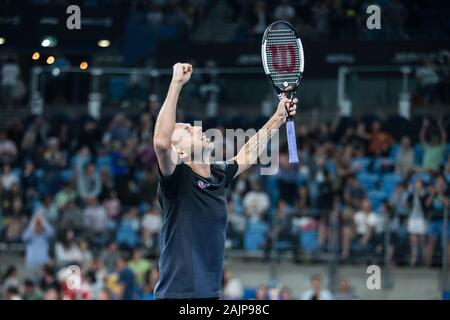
column 280, row 55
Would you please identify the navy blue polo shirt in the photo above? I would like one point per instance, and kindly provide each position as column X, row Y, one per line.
column 192, row 239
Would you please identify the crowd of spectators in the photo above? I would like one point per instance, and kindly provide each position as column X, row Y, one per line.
column 83, row 192
column 338, row 19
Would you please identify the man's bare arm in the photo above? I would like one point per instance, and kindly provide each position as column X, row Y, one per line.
column 165, row 123
column 254, row 148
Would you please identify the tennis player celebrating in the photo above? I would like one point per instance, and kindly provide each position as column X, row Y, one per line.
column 192, row 196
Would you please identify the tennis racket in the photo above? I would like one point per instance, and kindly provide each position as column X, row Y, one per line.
column 282, row 58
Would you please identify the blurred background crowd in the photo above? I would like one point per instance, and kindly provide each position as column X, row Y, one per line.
column 78, row 188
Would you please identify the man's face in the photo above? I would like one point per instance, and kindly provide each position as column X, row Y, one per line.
column 190, row 141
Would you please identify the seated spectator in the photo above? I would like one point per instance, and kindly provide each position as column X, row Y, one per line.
column 365, row 221
column 67, row 251
column 256, row 202
column 139, row 265
column 95, row 220
column 433, row 155
column 232, row 288
column 286, row 294
column 88, row 182
column 10, row 279
column 345, row 292
column 8, row 178
column 404, row 160
column 71, row 218
column 65, row 196
column 30, row 291
column 112, row 205
column 37, row 238
column 85, row 252
column 261, row 292
column 15, row 222
column 316, row 292
column 127, row 232
column 151, row 225
column 110, row 255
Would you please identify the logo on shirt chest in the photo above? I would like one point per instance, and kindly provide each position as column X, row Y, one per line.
column 203, row 185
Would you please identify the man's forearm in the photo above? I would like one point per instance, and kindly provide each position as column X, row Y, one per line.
column 254, row 148
column 165, row 123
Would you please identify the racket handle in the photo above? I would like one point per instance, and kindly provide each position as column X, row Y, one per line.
column 292, row 143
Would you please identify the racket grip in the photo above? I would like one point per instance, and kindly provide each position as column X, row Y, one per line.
column 292, row 143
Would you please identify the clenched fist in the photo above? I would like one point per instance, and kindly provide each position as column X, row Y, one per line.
column 181, row 73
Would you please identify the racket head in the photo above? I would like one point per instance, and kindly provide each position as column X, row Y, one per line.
column 282, row 56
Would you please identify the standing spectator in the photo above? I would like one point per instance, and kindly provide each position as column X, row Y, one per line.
column 437, row 199
column 416, row 224
column 127, row 280
column 316, row 292
column 10, row 84
column 37, row 237
column 380, row 141
column 404, row 160
column 8, row 149
column 428, row 80
column 433, row 155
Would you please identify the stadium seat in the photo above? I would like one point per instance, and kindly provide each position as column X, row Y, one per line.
column 389, row 182
column 361, row 164
column 249, row 293
column 255, row 236
column 418, row 152
column 425, row 177
column 376, row 197
column 368, row 180
column 309, row 241
column 66, row 175
column 394, row 151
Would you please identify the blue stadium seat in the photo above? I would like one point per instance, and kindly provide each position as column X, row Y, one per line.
column 255, row 236
column 66, row 175
column 376, row 197
column 368, row 180
column 361, row 163
column 418, row 152
column 394, row 151
column 425, row 177
column 309, row 240
column 249, row 293
column 389, row 182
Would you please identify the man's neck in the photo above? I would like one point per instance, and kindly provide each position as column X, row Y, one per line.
column 202, row 169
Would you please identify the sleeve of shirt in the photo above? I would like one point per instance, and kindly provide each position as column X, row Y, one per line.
column 230, row 168
column 169, row 184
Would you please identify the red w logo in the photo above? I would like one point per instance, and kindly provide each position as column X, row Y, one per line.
column 281, row 65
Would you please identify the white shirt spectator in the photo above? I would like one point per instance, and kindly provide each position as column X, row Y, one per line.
column 256, row 203
column 365, row 220
column 95, row 218
column 233, row 289
column 8, row 150
column 67, row 254
column 8, row 179
column 151, row 222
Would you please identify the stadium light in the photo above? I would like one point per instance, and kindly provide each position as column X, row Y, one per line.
column 84, row 65
column 35, row 56
column 2, row 41
column 49, row 42
column 50, row 60
column 104, row 43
